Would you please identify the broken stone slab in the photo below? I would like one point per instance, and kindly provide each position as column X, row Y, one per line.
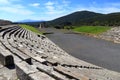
column 50, row 71
column 6, row 58
column 39, row 59
column 70, row 74
column 51, row 61
column 33, row 56
column 23, row 70
column 23, row 56
column 40, row 76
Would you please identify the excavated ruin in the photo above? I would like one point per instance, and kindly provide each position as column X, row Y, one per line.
column 25, row 55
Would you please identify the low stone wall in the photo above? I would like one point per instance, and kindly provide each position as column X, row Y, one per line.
column 111, row 35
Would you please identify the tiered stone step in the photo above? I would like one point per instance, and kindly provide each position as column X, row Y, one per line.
column 38, row 58
column 6, row 57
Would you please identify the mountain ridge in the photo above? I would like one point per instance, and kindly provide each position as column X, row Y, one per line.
column 80, row 18
column 87, row 18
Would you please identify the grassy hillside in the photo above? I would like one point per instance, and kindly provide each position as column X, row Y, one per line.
column 91, row 29
column 82, row 18
column 86, row 18
column 33, row 29
column 73, row 19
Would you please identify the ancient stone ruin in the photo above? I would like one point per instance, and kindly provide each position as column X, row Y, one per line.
column 29, row 56
column 111, row 35
column 5, row 22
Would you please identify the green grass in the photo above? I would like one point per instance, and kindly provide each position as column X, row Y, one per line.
column 91, row 29
column 33, row 29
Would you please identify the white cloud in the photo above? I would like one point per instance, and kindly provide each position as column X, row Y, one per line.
column 35, row 4
column 4, row 2
column 8, row 2
column 50, row 7
column 49, row 3
column 56, row 7
column 109, row 9
column 10, row 6
column 114, row 4
column 104, row 10
column 15, row 0
column 66, row 3
column 16, row 9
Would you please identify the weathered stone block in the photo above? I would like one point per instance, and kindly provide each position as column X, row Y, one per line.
column 23, row 70
column 6, row 58
column 40, row 76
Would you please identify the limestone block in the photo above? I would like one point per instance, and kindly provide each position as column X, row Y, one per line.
column 40, row 76
column 23, row 70
column 6, row 58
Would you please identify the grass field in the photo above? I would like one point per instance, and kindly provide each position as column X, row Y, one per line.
column 91, row 29
column 33, row 29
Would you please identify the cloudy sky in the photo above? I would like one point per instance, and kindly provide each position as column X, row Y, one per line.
column 16, row 10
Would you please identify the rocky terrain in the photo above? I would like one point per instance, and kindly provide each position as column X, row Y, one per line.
column 25, row 55
column 111, row 35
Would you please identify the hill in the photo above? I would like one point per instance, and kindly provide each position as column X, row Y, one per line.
column 86, row 18
column 4, row 22
column 81, row 18
column 74, row 18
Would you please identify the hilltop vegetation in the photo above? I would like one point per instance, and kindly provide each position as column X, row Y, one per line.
column 33, row 29
column 73, row 19
column 86, row 18
column 81, row 18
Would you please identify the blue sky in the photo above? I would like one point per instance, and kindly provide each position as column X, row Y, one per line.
column 16, row 10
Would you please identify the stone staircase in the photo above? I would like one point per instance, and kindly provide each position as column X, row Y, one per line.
column 35, row 57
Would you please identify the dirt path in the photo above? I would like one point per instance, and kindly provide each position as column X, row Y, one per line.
column 100, row 52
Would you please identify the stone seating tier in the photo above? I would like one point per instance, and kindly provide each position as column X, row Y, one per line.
column 37, row 58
